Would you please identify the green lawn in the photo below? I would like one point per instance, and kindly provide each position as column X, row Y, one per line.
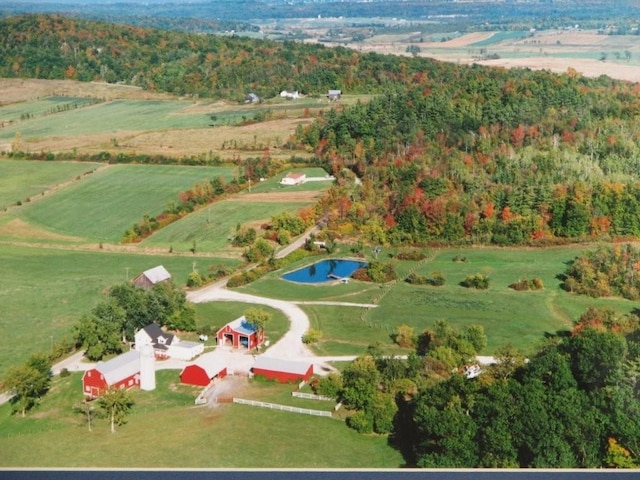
column 21, row 180
column 43, row 292
column 118, row 115
column 102, row 206
column 25, row 111
column 212, row 316
column 519, row 318
column 213, row 227
column 184, row 436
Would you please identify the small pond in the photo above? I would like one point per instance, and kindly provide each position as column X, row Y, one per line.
column 324, row 271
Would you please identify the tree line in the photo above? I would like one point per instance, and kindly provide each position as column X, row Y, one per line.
column 572, row 404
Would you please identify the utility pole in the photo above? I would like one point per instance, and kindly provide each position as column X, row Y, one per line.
column 127, row 273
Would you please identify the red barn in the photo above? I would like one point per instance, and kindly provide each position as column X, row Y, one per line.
column 122, row 371
column 283, row 371
column 240, row 333
column 203, row 371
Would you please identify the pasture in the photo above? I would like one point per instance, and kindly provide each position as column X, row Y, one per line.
column 509, row 317
column 102, row 206
column 44, row 291
column 227, row 436
column 22, row 180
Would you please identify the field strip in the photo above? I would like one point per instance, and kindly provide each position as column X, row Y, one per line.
column 58, row 186
column 110, row 248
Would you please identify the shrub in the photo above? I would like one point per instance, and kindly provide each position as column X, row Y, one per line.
column 65, row 372
column 524, row 284
column 405, row 336
column 436, row 279
column 415, row 256
column 311, row 336
column 329, row 386
column 244, row 237
column 194, row 280
column 460, row 259
column 361, row 422
column 478, row 281
column 415, row 279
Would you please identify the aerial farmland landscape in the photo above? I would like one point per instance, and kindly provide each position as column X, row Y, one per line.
column 328, row 235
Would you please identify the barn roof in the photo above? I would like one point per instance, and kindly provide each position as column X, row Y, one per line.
column 211, row 364
column 157, row 274
column 242, row 325
column 281, row 365
column 120, row 367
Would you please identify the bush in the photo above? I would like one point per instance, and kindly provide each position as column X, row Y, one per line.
column 361, row 422
column 311, row 336
column 329, row 386
column 194, row 280
column 415, row 279
column 415, row 256
column 478, row 281
column 524, row 284
column 376, row 272
column 436, row 279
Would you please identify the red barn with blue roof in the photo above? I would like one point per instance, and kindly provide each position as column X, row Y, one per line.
column 240, row 334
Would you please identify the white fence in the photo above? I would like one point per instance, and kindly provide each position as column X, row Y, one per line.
column 286, row 408
column 311, row 396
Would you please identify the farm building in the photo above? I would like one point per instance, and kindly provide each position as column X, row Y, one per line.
column 204, row 370
column 283, row 371
column 149, row 278
column 293, row 178
column 240, row 334
column 166, row 345
column 122, row 371
column 289, row 95
column 334, row 95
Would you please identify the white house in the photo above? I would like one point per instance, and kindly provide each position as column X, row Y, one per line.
column 293, row 178
column 166, row 345
column 289, row 95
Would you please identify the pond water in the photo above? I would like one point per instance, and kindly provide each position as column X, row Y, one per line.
column 324, row 271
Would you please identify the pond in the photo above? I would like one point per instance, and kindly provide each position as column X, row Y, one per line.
column 324, row 271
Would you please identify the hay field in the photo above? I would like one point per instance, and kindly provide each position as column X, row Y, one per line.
column 102, row 206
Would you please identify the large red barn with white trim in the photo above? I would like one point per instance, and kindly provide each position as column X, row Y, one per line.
column 283, row 371
column 203, row 371
column 122, row 371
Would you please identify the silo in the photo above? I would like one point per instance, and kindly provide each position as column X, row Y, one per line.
column 147, row 368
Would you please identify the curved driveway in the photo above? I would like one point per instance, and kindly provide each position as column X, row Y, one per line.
column 290, row 345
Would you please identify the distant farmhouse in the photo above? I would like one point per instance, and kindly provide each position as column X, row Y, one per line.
column 166, row 345
column 240, row 333
column 334, row 95
column 251, row 98
column 289, row 95
column 293, row 178
column 149, row 278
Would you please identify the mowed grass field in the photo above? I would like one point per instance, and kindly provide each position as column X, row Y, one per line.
column 185, row 436
column 102, row 206
column 212, row 228
column 522, row 319
column 21, row 180
column 44, row 291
